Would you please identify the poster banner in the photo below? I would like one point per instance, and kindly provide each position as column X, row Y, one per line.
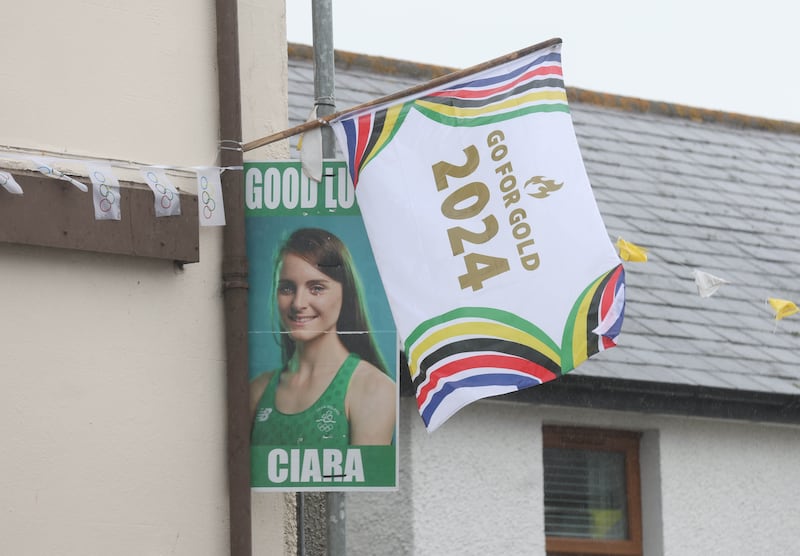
column 323, row 346
column 498, row 267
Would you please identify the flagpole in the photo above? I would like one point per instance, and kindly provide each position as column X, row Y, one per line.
column 324, row 120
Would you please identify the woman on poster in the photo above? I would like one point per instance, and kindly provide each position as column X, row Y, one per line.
column 332, row 387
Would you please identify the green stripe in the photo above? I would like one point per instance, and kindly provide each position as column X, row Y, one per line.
column 487, row 313
column 567, row 358
column 453, row 121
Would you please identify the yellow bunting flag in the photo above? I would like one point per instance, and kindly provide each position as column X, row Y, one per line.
column 782, row 307
column 631, row 252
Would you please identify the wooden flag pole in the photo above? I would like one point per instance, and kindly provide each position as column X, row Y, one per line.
column 325, row 120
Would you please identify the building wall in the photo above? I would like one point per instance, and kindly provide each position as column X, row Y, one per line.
column 112, row 368
column 474, row 486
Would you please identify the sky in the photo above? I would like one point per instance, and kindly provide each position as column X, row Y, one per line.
column 734, row 56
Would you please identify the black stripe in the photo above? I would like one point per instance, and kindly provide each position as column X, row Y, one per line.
column 377, row 128
column 485, row 344
column 594, row 314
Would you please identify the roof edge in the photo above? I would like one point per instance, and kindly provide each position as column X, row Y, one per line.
column 647, row 397
column 425, row 72
column 662, row 398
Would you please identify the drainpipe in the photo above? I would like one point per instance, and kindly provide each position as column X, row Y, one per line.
column 234, row 279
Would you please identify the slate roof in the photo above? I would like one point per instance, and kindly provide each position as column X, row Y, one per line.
column 700, row 189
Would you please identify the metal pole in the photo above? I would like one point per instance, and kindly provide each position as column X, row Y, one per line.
column 433, row 83
column 324, row 89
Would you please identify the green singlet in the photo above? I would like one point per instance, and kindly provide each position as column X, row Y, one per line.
column 324, row 423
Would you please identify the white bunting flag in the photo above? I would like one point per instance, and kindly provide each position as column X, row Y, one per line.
column 707, row 284
column 167, row 201
column 310, row 147
column 44, row 166
column 105, row 192
column 8, row 182
column 498, row 268
column 209, row 197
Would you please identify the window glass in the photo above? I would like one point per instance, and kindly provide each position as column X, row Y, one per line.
column 584, row 494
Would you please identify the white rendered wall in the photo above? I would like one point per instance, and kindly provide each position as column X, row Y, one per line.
column 474, row 487
column 112, row 368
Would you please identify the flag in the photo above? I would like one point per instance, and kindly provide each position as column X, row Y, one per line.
column 310, row 147
column 707, row 284
column 631, row 252
column 783, row 307
column 166, row 199
column 105, row 192
column 496, row 262
column 8, row 182
column 211, row 211
column 44, row 166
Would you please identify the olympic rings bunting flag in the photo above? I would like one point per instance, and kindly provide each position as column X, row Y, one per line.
column 44, row 166
column 167, row 201
column 497, row 265
column 105, row 192
column 209, row 196
column 9, row 183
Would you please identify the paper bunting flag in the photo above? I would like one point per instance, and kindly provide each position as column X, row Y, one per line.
column 8, row 182
column 43, row 165
column 782, row 307
column 209, row 197
column 489, row 243
column 105, row 192
column 631, row 252
column 310, row 147
column 707, row 284
column 167, row 201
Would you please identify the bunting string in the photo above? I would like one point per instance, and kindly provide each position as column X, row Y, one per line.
column 166, row 200
column 102, row 174
column 707, row 284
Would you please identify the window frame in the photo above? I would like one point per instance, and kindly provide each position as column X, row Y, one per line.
column 609, row 440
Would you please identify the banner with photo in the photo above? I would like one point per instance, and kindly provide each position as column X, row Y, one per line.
column 322, row 342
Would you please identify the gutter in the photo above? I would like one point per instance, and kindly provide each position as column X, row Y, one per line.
column 660, row 398
column 234, row 279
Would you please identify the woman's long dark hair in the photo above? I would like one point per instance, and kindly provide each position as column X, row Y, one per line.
column 329, row 255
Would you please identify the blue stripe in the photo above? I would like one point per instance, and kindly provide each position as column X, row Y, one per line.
column 485, row 379
column 552, row 57
column 352, row 141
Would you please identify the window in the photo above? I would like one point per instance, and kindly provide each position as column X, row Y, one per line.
column 592, row 502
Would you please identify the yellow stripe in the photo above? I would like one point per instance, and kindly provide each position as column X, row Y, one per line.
column 579, row 330
column 513, row 102
column 482, row 329
column 388, row 128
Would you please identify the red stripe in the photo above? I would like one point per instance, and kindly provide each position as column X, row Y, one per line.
column 364, row 126
column 606, row 299
column 609, row 293
column 490, row 361
column 473, row 93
